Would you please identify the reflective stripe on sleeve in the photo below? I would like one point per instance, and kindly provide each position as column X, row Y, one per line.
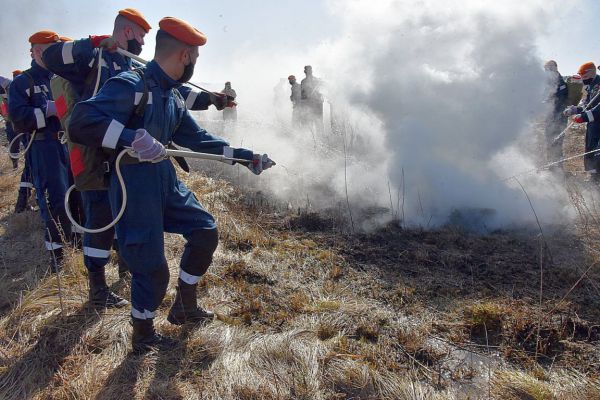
column 67, row 53
column 138, row 98
column 191, row 99
column 39, row 118
column 590, row 116
column 113, row 132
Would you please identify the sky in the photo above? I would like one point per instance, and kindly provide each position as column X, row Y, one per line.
column 234, row 25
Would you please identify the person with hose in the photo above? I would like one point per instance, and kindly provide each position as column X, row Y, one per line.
column 32, row 109
column 557, row 101
column 591, row 83
column 157, row 201
column 71, row 61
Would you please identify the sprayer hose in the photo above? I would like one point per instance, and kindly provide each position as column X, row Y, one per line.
column 123, row 200
column 16, row 156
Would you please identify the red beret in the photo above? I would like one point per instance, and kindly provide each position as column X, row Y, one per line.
column 43, row 37
column 182, row 31
column 136, row 17
column 587, row 70
column 65, row 39
column 291, row 77
column 16, row 72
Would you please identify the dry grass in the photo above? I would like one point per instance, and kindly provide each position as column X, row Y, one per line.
column 305, row 311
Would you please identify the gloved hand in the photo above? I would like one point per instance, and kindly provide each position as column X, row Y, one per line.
column 571, row 110
column 50, row 108
column 105, row 41
column 219, row 100
column 148, row 148
column 259, row 163
column 580, row 119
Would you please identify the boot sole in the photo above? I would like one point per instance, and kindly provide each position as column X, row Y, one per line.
column 177, row 321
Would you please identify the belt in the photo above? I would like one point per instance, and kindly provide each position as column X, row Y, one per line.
column 46, row 136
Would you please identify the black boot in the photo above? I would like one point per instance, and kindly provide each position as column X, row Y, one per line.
column 100, row 295
column 185, row 308
column 145, row 338
column 21, row 202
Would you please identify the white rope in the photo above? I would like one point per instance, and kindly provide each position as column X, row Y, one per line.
column 17, row 155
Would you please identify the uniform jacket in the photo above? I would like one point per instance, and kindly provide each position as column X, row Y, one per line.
column 28, row 110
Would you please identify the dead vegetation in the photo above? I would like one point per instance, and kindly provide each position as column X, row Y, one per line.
column 307, row 311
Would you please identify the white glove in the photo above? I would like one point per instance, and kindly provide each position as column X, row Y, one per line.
column 259, row 163
column 569, row 111
column 148, row 148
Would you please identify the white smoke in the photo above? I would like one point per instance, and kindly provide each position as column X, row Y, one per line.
column 440, row 99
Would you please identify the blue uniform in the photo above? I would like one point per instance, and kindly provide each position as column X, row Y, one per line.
column 28, row 96
column 592, row 135
column 75, row 62
column 157, row 201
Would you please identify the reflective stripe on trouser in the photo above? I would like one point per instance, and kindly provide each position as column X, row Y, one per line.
column 26, row 183
column 96, row 247
column 157, row 202
column 49, row 168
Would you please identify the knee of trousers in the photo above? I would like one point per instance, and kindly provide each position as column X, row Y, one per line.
column 199, row 250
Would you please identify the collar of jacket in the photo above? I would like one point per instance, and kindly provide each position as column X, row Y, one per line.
column 38, row 71
column 164, row 81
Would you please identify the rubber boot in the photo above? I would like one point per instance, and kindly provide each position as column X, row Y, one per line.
column 56, row 259
column 185, row 308
column 21, row 202
column 100, row 294
column 145, row 338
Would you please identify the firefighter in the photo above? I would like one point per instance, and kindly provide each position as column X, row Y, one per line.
column 157, row 201
column 591, row 82
column 230, row 112
column 32, row 109
column 557, row 101
column 312, row 99
column 295, row 98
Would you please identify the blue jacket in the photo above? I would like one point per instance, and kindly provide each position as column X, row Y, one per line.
column 591, row 116
column 107, row 120
column 28, row 110
column 75, row 62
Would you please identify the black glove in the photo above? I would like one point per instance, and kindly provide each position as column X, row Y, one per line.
column 219, row 100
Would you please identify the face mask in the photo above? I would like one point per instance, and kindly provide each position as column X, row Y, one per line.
column 133, row 46
column 188, row 71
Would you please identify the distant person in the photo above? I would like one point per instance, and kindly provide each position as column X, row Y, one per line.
column 556, row 122
column 312, row 99
column 591, row 82
column 229, row 112
column 295, row 98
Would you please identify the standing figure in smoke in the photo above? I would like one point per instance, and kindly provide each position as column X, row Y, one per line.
column 295, row 98
column 230, row 111
column 312, row 100
column 590, row 100
column 556, row 122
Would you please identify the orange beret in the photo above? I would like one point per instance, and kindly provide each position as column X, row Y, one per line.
column 291, row 77
column 16, row 72
column 65, row 39
column 136, row 17
column 182, row 31
column 587, row 67
column 43, row 37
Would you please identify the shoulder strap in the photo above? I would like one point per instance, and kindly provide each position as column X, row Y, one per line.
column 31, row 82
